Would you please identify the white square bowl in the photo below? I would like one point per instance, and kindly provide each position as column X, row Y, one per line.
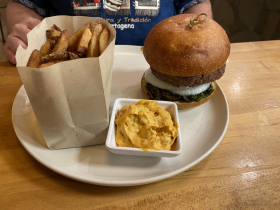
column 111, row 142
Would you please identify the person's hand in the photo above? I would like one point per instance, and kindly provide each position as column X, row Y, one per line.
column 18, row 36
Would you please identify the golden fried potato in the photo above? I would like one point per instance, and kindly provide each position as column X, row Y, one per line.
column 84, row 40
column 74, row 39
column 89, row 25
column 104, row 40
column 56, row 27
column 53, row 33
column 46, row 48
column 93, row 48
column 75, row 55
column 63, row 42
column 91, row 40
column 35, row 59
column 56, row 56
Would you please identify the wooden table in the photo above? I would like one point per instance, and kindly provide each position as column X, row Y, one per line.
column 242, row 172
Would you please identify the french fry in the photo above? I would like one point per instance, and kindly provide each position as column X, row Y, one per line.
column 47, row 64
column 53, row 34
column 74, row 55
column 57, row 56
column 89, row 25
column 104, row 40
column 90, row 40
column 46, row 48
column 93, row 48
column 63, row 42
column 35, row 59
column 84, row 40
column 82, row 55
column 56, row 27
column 74, row 39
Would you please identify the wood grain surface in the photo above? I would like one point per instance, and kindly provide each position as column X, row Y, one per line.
column 243, row 172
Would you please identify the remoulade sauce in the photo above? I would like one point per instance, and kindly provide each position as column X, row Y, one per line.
column 145, row 125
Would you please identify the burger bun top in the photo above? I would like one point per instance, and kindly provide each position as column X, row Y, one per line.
column 174, row 49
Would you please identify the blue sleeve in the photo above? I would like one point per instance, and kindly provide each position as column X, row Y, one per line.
column 39, row 6
column 182, row 5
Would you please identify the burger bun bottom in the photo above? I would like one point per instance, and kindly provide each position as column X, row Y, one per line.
column 180, row 104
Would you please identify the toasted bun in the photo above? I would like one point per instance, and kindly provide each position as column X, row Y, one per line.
column 173, row 49
column 181, row 105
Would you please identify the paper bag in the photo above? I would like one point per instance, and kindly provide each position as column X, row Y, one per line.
column 70, row 99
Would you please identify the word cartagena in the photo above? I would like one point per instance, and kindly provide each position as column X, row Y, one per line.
column 128, row 22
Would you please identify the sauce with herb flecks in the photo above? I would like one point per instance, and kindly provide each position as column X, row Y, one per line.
column 145, row 125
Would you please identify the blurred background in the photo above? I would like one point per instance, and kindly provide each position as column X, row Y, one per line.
column 243, row 20
column 3, row 28
column 248, row 20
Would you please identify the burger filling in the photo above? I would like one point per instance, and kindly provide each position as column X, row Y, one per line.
column 192, row 80
column 161, row 94
column 162, row 90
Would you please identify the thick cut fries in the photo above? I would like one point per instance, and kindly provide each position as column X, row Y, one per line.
column 104, row 40
column 74, row 39
column 46, row 48
column 84, row 40
column 74, row 55
column 90, row 40
column 63, row 42
column 93, row 48
column 35, row 59
column 89, row 25
column 57, row 56
column 53, row 34
column 56, row 27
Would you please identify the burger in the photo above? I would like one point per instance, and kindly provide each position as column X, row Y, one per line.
column 186, row 54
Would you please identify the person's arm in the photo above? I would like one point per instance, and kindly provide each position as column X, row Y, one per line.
column 204, row 7
column 20, row 20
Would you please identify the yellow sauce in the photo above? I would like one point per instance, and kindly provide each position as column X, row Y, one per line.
column 146, row 126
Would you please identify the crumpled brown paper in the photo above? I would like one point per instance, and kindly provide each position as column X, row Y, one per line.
column 70, row 99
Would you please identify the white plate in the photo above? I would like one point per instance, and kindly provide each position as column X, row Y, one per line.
column 202, row 129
